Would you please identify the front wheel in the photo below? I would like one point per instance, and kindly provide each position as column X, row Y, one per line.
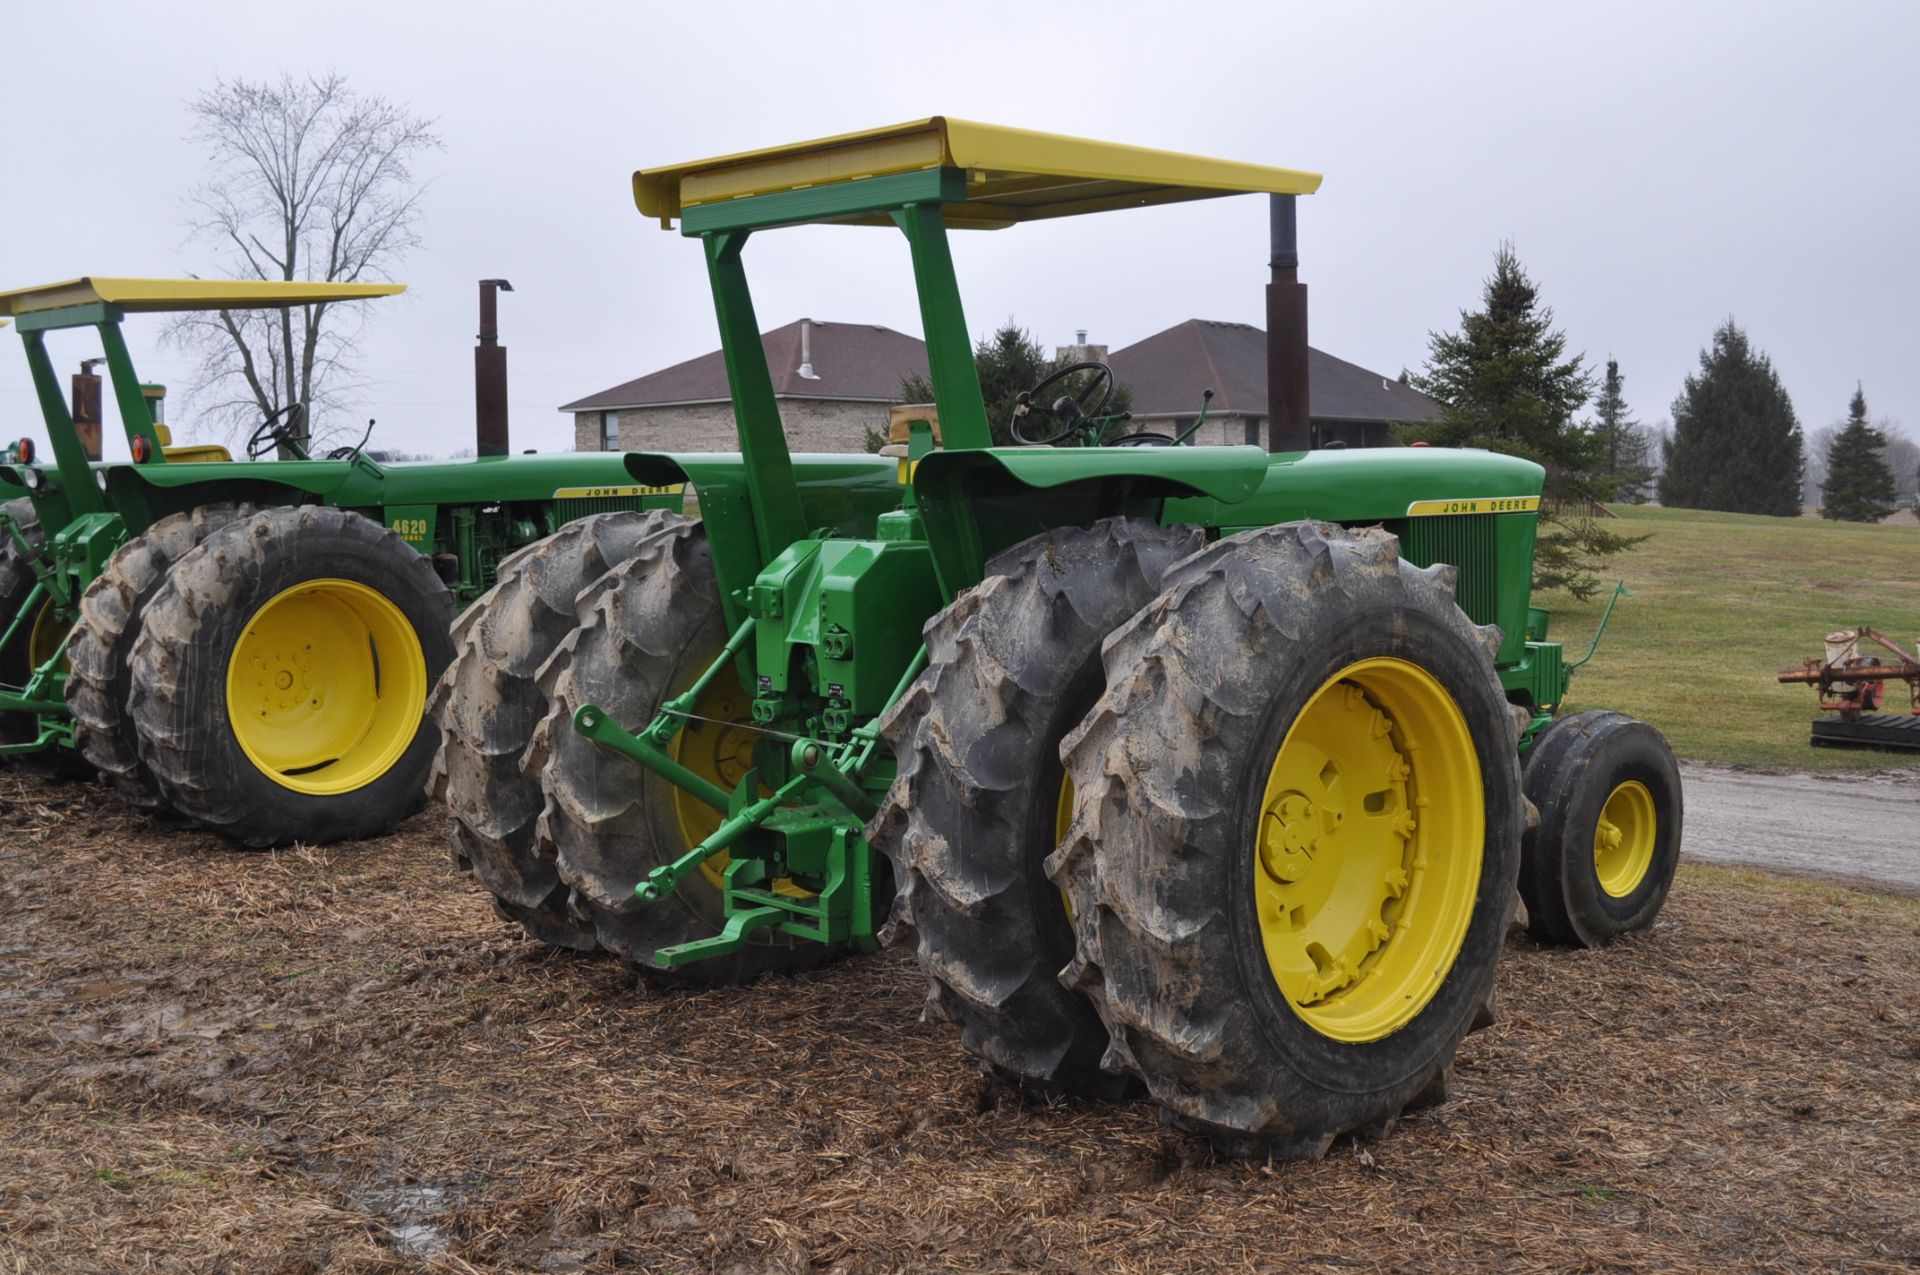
column 1295, row 838
column 1602, row 860
column 279, row 683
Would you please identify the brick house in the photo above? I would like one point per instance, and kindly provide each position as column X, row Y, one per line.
column 833, row 382
column 1168, row 371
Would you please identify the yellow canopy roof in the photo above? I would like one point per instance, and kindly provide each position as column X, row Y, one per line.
column 1013, row 174
column 186, row 294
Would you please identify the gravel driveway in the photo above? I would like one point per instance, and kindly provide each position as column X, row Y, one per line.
column 1862, row 826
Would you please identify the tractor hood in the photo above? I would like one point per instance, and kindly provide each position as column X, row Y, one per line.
column 362, row 483
column 1374, row 485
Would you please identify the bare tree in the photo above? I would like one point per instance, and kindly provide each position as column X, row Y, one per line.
column 1902, row 456
column 307, row 180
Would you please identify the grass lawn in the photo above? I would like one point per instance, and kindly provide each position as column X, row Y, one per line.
column 1723, row 602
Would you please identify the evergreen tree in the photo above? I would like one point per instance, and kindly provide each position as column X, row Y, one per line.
column 1508, row 386
column 1008, row 362
column 1736, row 445
column 1859, row 486
column 1622, row 442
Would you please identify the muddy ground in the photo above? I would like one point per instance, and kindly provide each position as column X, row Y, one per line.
column 340, row 1060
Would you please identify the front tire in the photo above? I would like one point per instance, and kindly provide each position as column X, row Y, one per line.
column 1602, row 860
column 1296, row 834
column 279, row 683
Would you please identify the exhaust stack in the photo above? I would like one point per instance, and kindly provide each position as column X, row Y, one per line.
column 86, row 407
column 1289, row 419
column 490, row 375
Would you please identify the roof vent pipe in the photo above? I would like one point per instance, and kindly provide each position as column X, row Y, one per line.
column 1079, row 336
column 806, row 351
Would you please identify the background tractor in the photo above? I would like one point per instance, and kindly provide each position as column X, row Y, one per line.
column 249, row 643
column 1193, row 767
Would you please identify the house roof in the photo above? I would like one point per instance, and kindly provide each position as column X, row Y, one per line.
column 1168, row 370
column 851, row 361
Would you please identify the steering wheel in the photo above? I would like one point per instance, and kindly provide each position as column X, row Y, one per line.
column 1069, row 410
column 270, row 435
column 1142, row 440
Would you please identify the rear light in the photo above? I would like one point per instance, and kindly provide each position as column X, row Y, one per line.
column 142, row 449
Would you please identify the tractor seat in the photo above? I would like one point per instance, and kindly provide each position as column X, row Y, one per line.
column 188, row 453
column 900, row 418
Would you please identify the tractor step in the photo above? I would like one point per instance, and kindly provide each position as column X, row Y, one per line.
column 1871, row 730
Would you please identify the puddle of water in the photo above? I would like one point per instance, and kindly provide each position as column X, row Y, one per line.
column 408, row 1212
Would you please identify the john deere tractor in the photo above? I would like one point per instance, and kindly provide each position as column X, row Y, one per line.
column 1208, row 768
column 249, row 643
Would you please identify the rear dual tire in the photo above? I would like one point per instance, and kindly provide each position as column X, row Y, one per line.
column 1013, row 665
column 650, row 626
column 490, row 701
column 1296, row 833
column 279, row 682
column 100, row 673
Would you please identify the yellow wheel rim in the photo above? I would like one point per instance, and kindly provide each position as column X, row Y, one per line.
column 326, row 687
column 716, row 744
column 1623, row 839
column 1370, row 841
column 44, row 639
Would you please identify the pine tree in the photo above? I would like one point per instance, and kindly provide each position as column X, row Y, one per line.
column 1622, row 441
column 1859, row 486
column 1736, row 444
column 1509, row 387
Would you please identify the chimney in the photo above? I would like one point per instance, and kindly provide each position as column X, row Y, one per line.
column 1080, row 351
column 1289, row 422
column 86, row 407
column 490, row 375
column 806, row 351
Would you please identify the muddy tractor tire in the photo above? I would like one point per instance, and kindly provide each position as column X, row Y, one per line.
column 489, row 701
column 1295, row 838
column 1602, row 860
column 280, row 679
column 99, row 655
column 653, row 625
column 980, row 797
column 38, row 638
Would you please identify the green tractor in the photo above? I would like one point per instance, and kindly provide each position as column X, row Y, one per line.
column 1193, row 767
column 251, row 643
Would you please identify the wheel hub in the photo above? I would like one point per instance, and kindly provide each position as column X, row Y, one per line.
column 1624, row 839
column 1359, row 918
column 326, row 686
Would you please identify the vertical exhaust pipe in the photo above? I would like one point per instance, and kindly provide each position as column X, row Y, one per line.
column 490, row 375
column 1289, row 418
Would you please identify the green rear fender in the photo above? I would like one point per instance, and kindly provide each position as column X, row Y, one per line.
column 841, row 494
column 976, row 503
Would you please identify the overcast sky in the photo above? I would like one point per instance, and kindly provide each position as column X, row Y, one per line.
column 1658, row 166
